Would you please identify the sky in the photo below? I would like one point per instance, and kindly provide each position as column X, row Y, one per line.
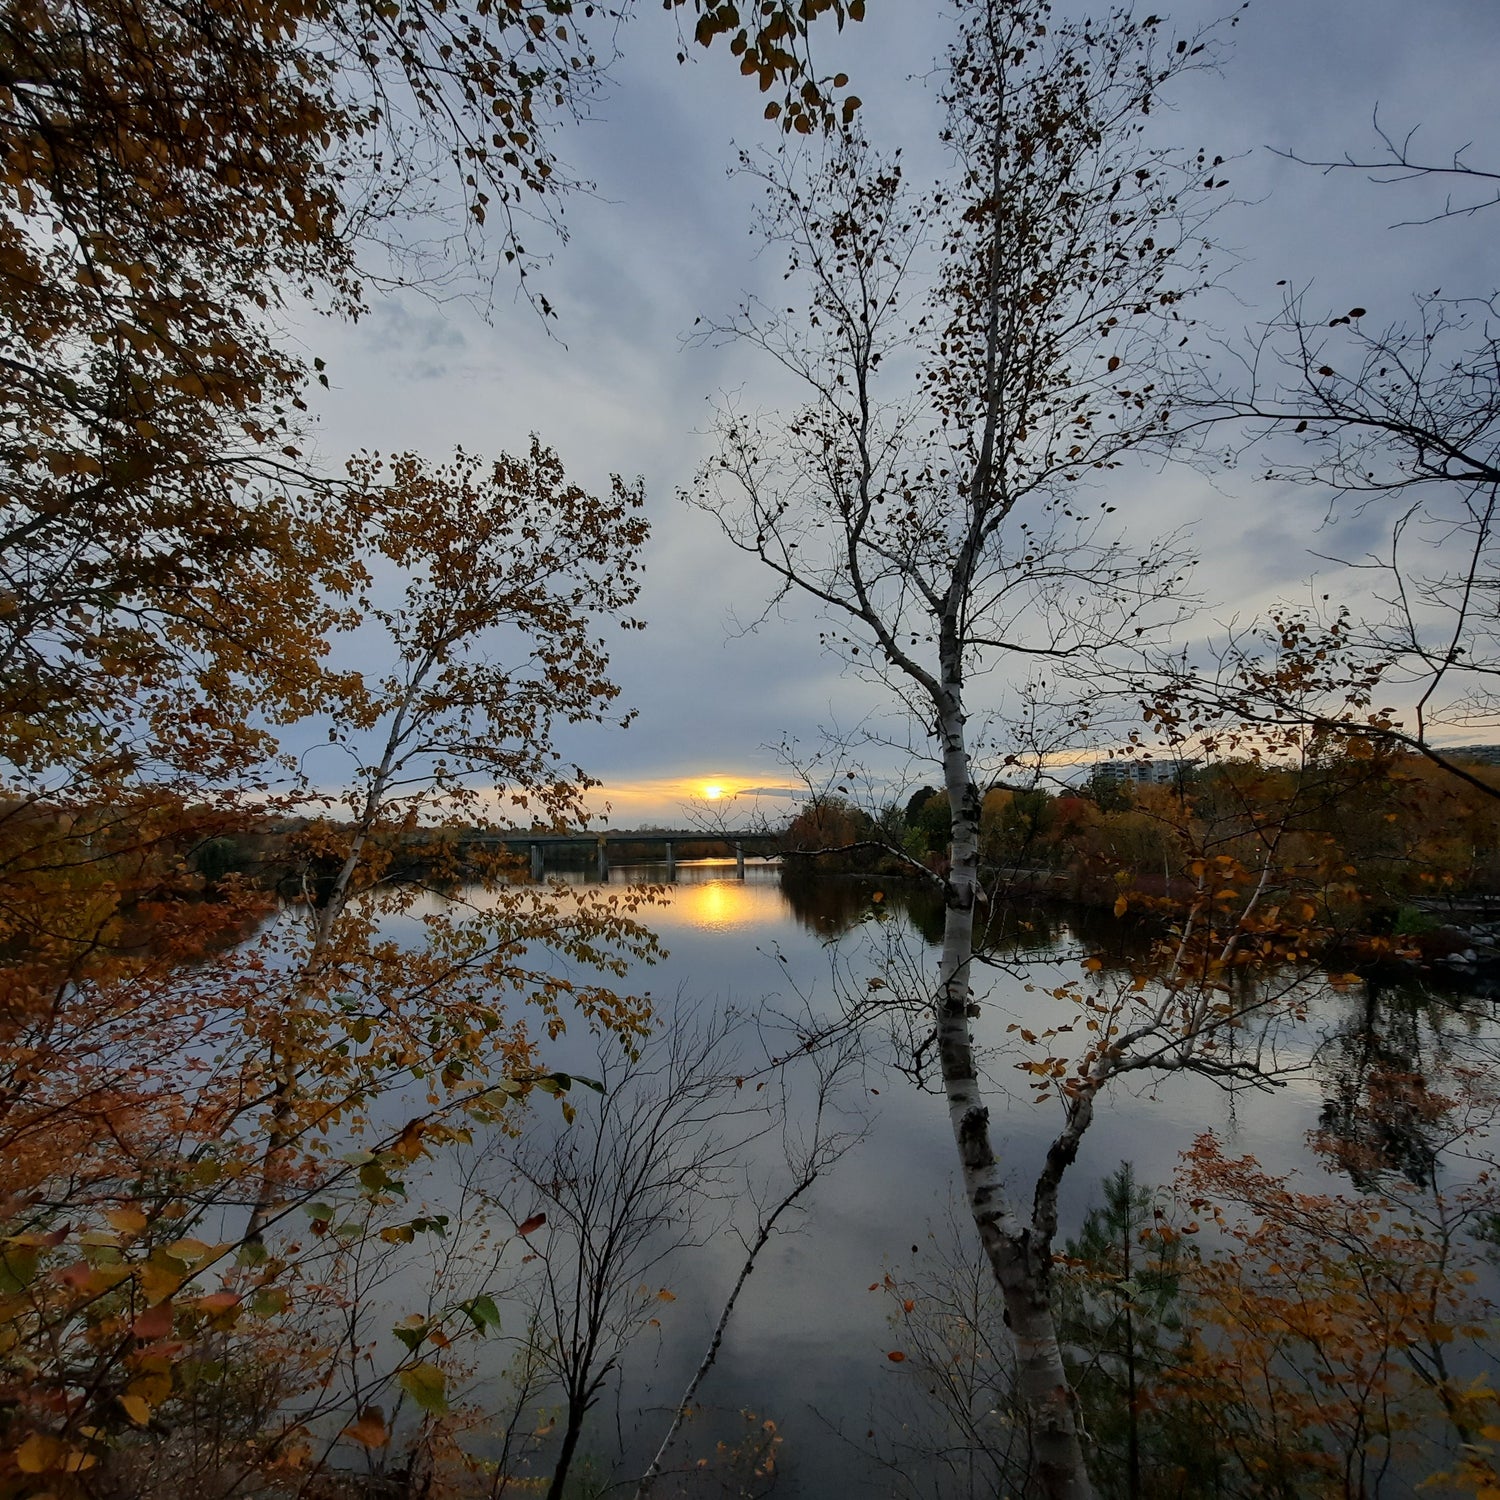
column 617, row 385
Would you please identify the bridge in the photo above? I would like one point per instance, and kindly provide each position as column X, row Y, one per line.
column 668, row 840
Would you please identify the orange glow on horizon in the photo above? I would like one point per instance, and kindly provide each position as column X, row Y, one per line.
column 668, row 801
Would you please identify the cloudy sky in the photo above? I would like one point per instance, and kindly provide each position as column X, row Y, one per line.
column 615, row 385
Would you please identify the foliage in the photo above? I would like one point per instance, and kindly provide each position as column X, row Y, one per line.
column 827, row 822
column 209, row 1107
column 1324, row 1347
column 205, row 1094
column 1121, row 1312
column 174, row 179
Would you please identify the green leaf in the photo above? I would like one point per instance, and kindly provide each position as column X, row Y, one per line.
column 269, row 1301
column 411, row 1331
column 427, row 1386
column 483, row 1312
column 17, row 1268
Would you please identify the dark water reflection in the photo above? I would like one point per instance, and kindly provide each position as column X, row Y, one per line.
column 809, row 1341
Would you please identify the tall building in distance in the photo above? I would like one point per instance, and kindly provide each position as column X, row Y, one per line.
column 1142, row 772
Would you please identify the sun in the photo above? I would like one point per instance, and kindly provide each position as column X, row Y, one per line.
column 713, row 791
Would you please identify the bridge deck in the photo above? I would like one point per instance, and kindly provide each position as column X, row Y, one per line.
column 520, row 839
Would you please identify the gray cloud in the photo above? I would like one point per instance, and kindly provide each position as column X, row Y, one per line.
column 614, row 387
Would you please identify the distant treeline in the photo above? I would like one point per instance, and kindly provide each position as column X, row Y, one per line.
column 1381, row 837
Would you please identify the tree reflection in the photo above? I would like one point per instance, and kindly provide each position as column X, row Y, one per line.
column 1387, row 1073
column 831, row 905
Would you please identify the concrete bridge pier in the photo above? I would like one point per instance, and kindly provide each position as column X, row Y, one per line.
column 671, row 860
column 536, row 862
column 739, row 861
column 602, row 867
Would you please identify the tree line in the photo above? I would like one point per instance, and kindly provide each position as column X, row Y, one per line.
column 1385, row 837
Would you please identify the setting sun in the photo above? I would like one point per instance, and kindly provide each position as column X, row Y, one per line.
column 713, row 791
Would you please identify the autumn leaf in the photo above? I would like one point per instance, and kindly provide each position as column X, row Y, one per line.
column 136, row 1408
column 370, row 1430
column 427, row 1386
column 155, row 1323
column 128, row 1220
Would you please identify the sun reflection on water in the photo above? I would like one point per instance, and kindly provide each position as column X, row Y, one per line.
column 721, row 904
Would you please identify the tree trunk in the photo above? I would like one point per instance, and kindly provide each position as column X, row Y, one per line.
column 571, row 1433
column 1020, row 1258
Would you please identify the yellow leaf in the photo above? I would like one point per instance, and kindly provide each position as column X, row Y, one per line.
column 427, row 1386
column 128, row 1220
column 38, row 1454
column 138, row 1410
column 188, row 1250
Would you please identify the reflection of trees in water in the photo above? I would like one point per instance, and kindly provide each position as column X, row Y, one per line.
column 831, row 905
column 1385, row 1071
column 1387, row 1064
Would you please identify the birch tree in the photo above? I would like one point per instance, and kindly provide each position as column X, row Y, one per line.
column 972, row 356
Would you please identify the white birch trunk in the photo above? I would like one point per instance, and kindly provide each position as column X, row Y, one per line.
column 1020, row 1257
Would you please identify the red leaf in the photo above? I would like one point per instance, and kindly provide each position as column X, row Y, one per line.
column 532, row 1224
column 154, row 1323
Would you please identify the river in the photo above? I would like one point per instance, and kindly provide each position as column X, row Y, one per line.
column 810, row 1344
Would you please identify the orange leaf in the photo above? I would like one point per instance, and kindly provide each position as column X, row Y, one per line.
column 532, row 1224
column 370, row 1429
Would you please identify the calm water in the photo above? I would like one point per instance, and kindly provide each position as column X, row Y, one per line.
column 808, row 1344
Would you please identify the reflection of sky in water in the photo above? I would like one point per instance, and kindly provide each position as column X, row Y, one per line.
column 708, row 898
column 808, row 1341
